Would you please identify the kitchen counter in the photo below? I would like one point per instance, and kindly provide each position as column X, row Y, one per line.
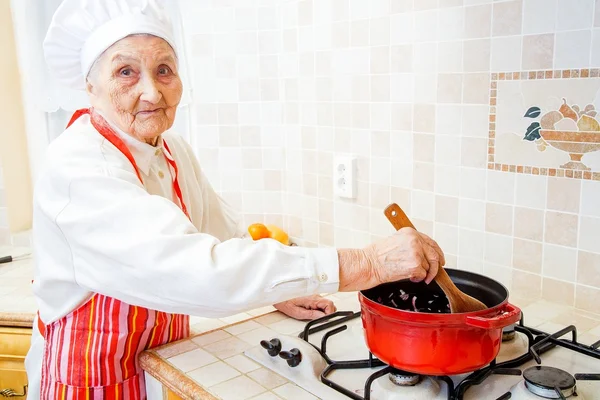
column 17, row 304
column 211, row 364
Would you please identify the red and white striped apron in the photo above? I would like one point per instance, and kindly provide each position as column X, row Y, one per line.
column 92, row 353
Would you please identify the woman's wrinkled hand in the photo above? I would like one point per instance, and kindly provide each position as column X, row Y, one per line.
column 306, row 308
column 407, row 254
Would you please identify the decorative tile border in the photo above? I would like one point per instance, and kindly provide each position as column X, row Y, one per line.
column 534, row 75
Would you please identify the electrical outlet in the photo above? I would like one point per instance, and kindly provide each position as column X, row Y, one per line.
column 344, row 176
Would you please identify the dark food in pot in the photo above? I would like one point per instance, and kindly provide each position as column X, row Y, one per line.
column 418, row 302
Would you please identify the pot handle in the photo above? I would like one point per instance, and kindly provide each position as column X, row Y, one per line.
column 510, row 315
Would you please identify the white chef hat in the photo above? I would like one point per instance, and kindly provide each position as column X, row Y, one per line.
column 81, row 30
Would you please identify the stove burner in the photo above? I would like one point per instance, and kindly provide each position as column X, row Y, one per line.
column 549, row 382
column 401, row 378
column 509, row 334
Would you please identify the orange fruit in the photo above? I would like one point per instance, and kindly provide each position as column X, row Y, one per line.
column 278, row 234
column 259, row 231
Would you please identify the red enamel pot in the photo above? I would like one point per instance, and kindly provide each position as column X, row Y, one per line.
column 437, row 343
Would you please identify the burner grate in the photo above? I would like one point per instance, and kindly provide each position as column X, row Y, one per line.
column 539, row 342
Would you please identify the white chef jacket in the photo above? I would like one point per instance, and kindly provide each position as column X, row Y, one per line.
column 97, row 229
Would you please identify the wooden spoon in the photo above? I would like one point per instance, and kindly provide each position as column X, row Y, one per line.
column 459, row 302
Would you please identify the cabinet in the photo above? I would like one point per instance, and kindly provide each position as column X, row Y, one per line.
column 14, row 345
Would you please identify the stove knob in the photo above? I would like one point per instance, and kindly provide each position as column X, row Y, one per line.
column 273, row 346
column 293, row 357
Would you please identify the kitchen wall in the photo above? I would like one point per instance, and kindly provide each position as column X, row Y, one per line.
column 476, row 116
column 4, row 235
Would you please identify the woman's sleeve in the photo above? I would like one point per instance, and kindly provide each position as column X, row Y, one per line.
column 142, row 249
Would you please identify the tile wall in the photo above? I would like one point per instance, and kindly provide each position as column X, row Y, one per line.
column 282, row 86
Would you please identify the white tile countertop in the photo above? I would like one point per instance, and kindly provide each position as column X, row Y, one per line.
column 212, row 365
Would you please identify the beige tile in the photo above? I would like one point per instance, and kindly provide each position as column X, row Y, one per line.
column 191, row 360
column 207, row 114
column 267, row 378
column 380, row 60
column 564, row 194
column 589, row 234
column 401, row 196
column 271, row 318
column 401, row 58
column 447, row 180
column 325, row 187
column 340, row 34
column 474, row 152
column 228, row 114
column 326, row 236
column 423, row 147
column 242, row 363
column 558, row 291
column 402, row 117
column 587, row 298
column 588, row 269
column 228, row 347
column 251, row 158
column 446, row 210
column 476, row 88
column 538, row 51
column 361, row 88
column 292, row 392
column 507, row 18
column 500, row 274
column 561, row 228
column 380, row 88
column 477, row 55
column 243, row 327
column 424, row 118
column 498, row 249
column 240, row 388
column 212, row 337
column 176, row 348
column 449, row 88
column 379, row 34
column 359, row 33
column 529, row 223
column 560, row 262
column 478, row 21
column 401, row 6
column 213, row 374
column 380, row 196
column 361, row 115
column 526, row 285
column 499, row 218
column 272, row 180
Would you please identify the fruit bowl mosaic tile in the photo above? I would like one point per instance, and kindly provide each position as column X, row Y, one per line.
column 546, row 123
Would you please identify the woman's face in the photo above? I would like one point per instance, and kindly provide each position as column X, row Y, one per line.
column 135, row 85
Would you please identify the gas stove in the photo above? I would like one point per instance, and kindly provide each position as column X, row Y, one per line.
column 331, row 360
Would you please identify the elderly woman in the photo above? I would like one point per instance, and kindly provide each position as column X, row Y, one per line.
column 130, row 238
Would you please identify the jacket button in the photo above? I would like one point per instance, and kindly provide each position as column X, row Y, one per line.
column 161, row 174
column 157, row 152
column 323, row 278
